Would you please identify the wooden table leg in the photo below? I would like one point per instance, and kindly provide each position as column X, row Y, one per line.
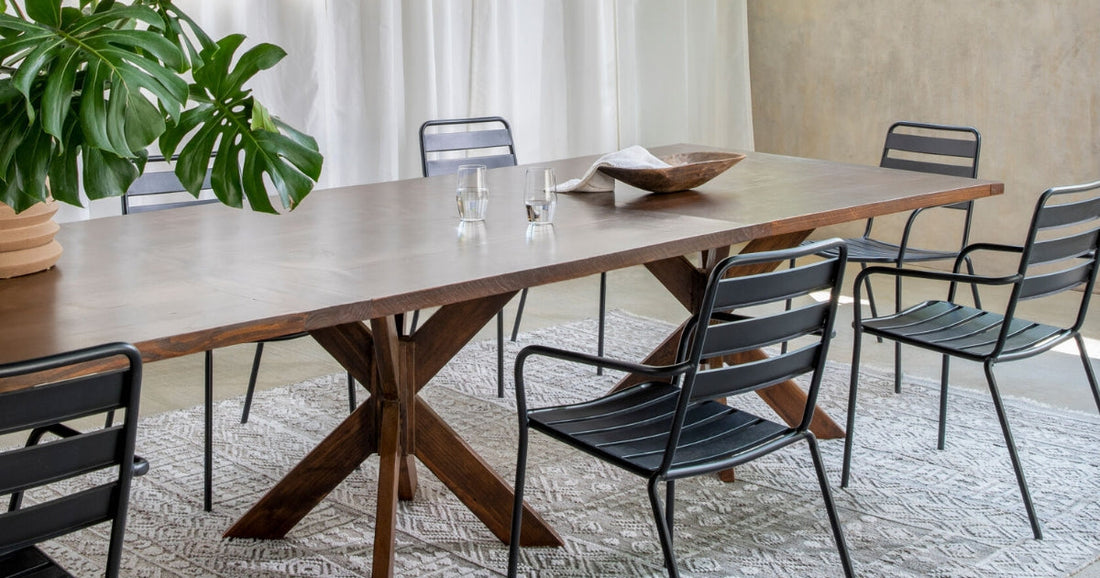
column 392, row 377
column 312, row 479
column 398, row 425
column 483, row 491
column 334, row 458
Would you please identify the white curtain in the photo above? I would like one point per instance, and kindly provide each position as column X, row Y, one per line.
column 572, row 76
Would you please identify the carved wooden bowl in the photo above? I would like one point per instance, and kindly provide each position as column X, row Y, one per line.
column 688, row 170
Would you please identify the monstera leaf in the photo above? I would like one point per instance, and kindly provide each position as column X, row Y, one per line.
column 85, row 90
column 247, row 140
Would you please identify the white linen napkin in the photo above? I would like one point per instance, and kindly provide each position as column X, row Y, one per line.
column 593, row 181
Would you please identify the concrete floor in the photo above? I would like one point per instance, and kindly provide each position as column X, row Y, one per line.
column 1056, row 378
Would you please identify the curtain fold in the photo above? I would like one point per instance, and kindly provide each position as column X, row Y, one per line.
column 572, row 76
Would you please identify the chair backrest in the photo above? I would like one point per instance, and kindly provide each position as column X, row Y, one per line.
column 1061, row 249
column 111, row 448
column 742, row 314
column 160, row 190
column 934, row 148
column 484, row 140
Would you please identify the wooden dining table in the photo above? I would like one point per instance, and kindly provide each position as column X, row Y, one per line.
column 349, row 261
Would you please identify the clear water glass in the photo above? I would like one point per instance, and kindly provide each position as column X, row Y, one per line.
column 472, row 195
column 539, row 195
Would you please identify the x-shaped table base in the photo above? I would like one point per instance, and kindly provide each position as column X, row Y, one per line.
column 399, row 426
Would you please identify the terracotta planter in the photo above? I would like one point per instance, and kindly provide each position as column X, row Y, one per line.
column 26, row 240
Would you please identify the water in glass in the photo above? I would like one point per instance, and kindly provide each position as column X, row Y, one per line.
column 539, row 195
column 472, row 195
column 472, row 202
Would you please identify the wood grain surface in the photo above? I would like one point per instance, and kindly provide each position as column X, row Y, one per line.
column 183, row 281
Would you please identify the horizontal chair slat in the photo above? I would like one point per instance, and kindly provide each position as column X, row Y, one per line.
column 932, row 145
column 1040, row 285
column 474, row 139
column 166, row 206
column 1067, row 214
column 53, row 403
column 34, row 524
column 745, row 377
column 160, row 183
column 927, row 167
column 450, row 166
column 753, row 333
column 759, row 289
column 1051, row 250
column 66, row 458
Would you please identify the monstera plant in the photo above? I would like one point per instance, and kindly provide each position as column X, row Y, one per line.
column 87, row 87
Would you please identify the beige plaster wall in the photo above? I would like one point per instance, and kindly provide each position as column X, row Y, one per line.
column 829, row 76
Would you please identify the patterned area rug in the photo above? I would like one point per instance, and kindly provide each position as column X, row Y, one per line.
column 910, row 511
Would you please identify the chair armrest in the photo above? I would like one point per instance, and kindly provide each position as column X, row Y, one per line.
column 934, row 275
column 661, row 371
column 998, row 247
column 864, row 277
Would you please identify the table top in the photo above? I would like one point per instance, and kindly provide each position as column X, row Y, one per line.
column 182, row 281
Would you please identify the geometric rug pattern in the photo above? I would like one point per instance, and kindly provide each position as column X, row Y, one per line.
column 910, row 510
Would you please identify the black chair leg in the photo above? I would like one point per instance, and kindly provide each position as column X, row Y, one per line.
column 1089, row 373
column 870, row 296
column 945, row 371
column 664, row 531
column 500, row 352
column 415, row 319
column 252, row 381
column 850, row 426
column 208, row 442
column 897, row 346
column 830, row 507
column 519, row 314
column 670, row 506
column 603, row 319
column 1010, row 443
column 351, row 393
column 517, row 505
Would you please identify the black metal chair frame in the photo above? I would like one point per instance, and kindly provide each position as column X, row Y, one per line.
column 676, row 425
column 953, row 330
column 922, row 151
column 491, row 140
column 157, row 183
column 42, row 409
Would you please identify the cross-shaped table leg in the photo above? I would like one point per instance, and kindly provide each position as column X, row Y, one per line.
column 399, row 426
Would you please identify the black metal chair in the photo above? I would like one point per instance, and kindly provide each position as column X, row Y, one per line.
column 161, row 190
column 928, row 148
column 42, row 409
column 489, row 140
column 676, row 425
column 1059, row 254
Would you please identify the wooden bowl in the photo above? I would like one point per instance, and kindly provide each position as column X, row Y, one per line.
column 688, row 170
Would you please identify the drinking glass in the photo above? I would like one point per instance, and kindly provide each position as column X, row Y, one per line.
column 473, row 193
column 539, row 195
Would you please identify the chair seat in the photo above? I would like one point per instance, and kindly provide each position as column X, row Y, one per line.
column 30, row 562
column 964, row 331
column 865, row 250
column 631, row 428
